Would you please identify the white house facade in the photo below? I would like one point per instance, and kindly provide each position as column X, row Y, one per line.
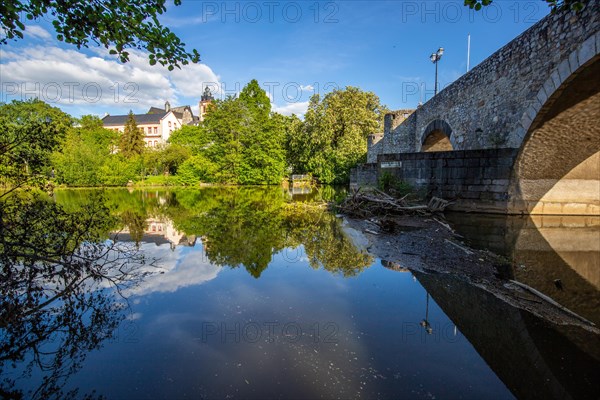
column 157, row 127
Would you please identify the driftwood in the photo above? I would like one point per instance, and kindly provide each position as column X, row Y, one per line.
column 366, row 205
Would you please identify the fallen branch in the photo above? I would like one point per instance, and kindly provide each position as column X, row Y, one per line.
column 364, row 205
column 467, row 251
column 551, row 301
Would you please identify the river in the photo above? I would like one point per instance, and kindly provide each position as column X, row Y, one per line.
column 259, row 293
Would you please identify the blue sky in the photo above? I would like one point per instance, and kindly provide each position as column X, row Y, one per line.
column 293, row 49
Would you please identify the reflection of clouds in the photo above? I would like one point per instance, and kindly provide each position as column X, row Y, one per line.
column 180, row 268
column 328, row 357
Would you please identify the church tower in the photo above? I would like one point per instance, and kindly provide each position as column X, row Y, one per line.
column 205, row 100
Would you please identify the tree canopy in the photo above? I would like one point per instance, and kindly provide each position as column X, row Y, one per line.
column 333, row 137
column 131, row 142
column 117, row 25
column 239, row 142
column 31, row 130
column 554, row 4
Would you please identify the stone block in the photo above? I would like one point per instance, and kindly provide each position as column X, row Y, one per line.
column 475, row 173
column 552, row 208
column 575, row 209
column 456, row 162
column 549, row 88
column 491, row 173
column 542, row 96
column 564, row 71
column 502, row 196
column 518, row 135
column 573, row 60
column 552, row 221
column 486, row 196
column 534, row 207
column 525, row 121
column 532, row 110
column 471, row 162
column 587, row 50
column 497, row 188
column 593, row 209
column 468, row 195
column 476, row 188
column 556, row 79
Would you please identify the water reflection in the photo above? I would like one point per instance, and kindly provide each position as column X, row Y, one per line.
column 557, row 255
column 324, row 319
column 534, row 358
column 238, row 227
column 57, row 291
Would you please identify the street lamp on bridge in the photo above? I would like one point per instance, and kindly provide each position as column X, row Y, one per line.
column 435, row 57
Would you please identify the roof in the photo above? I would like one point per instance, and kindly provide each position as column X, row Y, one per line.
column 156, row 110
column 117, row 120
column 180, row 109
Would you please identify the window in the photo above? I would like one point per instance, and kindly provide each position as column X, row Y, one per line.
column 156, row 143
column 155, row 130
column 169, row 124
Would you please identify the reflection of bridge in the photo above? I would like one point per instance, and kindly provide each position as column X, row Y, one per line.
column 523, row 127
column 544, row 250
column 534, row 359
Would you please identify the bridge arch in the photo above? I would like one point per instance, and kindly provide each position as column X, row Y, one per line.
column 437, row 136
column 557, row 169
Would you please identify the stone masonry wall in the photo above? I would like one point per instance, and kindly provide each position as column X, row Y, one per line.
column 364, row 176
column 476, row 180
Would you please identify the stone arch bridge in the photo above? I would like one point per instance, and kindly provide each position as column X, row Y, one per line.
column 519, row 133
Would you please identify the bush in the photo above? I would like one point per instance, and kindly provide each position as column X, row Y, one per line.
column 118, row 171
column 159, row 180
column 389, row 183
column 194, row 170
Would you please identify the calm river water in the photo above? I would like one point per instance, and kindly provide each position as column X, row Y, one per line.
column 258, row 294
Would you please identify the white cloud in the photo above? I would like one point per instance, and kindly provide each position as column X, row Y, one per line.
column 181, row 269
column 192, row 79
column 307, row 88
column 298, row 108
column 37, row 31
column 98, row 80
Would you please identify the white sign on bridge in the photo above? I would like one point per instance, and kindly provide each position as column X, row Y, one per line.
column 391, row 164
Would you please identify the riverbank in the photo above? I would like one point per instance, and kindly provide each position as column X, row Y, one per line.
column 428, row 245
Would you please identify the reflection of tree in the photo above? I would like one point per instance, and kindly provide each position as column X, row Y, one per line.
column 324, row 241
column 242, row 226
column 246, row 226
column 136, row 223
column 54, row 273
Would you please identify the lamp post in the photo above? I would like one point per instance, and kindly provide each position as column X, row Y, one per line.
column 425, row 323
column 435, row 57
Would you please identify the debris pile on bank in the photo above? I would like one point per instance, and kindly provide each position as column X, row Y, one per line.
column 365, row 205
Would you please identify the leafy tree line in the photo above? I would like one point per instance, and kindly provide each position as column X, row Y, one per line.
column 240, row 142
